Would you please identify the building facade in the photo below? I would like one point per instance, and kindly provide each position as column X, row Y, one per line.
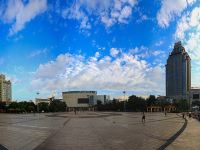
column 46, row 100
column 5, row 89
column 78, row 99
column 42, row 100
column 195, row 94
column 178, row 73
column 103, row 98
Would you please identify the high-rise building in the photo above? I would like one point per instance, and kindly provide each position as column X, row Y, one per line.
column 178, row 73
column 5, row 89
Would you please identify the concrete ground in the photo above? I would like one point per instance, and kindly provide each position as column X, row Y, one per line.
column 94, row 131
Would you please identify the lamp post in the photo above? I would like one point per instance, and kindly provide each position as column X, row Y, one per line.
column 38, row 103
column 190, row 101
column 124, row 92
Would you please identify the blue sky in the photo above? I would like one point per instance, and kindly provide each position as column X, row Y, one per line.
column 104, row 45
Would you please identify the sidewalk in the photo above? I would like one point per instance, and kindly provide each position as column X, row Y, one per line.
column 189, row 139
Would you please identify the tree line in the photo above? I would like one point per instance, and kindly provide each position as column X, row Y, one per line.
column 140, row 104
column 28, row 107
column 134, row 103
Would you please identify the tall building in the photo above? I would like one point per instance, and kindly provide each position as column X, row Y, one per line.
column 5, row 89
column 178, row 73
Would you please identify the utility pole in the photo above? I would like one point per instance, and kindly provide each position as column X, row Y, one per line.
column 37, row 103
column 124, row 92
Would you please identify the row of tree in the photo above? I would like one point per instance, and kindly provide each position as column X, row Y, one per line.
column 137, row 104
column 134, row 103
column 19, row 107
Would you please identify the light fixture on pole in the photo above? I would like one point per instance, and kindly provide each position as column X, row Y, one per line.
column 124, row 92
column 38, row 103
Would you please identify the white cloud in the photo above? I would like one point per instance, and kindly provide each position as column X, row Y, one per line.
column 75, row 72
column 156, row 53
column 170, row 9
column 97, row 54
column 18, row 14
column 125, row 13
column 143, row 52
column 114, row 52
column 36, row 53
column 159, row 43
column 108, row 12
column 188, row 31
column 13, row 79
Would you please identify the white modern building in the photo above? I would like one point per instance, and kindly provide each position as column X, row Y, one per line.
column 78, row 99
column 83, row 99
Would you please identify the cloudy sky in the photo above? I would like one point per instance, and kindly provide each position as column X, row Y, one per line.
column 52, row 46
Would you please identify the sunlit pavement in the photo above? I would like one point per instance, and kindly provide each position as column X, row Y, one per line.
column 93, row 131
column 189, row 139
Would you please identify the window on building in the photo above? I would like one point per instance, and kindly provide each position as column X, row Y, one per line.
column 195, row 96
column 83, row 101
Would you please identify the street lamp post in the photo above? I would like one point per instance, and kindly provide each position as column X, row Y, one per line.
column 190, row 97
column 124, row 92
column 37, row 103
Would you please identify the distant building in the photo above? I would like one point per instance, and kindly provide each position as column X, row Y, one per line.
column 157, row 108
column 84, row 100
column 46, row 100
column 5, row 89
column 165, row 98
column 178, row 73
column 103, row 98
column 195, row 94
column 42, row 100
column 164, row 104
column 78, row 99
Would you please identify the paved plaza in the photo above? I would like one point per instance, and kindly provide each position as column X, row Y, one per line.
column 97, row 131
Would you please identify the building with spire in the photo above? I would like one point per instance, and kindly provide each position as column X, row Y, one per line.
column 178, row 73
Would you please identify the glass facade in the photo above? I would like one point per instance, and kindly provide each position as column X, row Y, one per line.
column 178, row 76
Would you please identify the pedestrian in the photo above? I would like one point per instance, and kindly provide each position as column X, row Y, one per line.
column 75, row 110
column 143, row 118
column 165, row 113
column 183, row 115
column 190, row 114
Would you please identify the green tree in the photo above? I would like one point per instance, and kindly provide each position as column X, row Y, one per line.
column 23, row 106
column 13, row 105
column 99, row 105
column 136, row 103
column 3, row 105
column 182, row 105
column 163, row 103
column 56, row 106
column 43, row 107
column 151, row 100
column 196, row 103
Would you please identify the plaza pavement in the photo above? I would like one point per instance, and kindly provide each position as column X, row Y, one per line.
column 189, row 139
column 96, row 131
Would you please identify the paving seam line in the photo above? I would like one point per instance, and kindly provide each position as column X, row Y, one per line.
column 2, row 147
column 174, row 137
column 52, row 134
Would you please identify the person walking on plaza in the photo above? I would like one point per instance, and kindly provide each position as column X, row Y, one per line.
column 183, row 115
column 165, row 113
column 143, row 118
column 75, row 110
column 190, row 114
